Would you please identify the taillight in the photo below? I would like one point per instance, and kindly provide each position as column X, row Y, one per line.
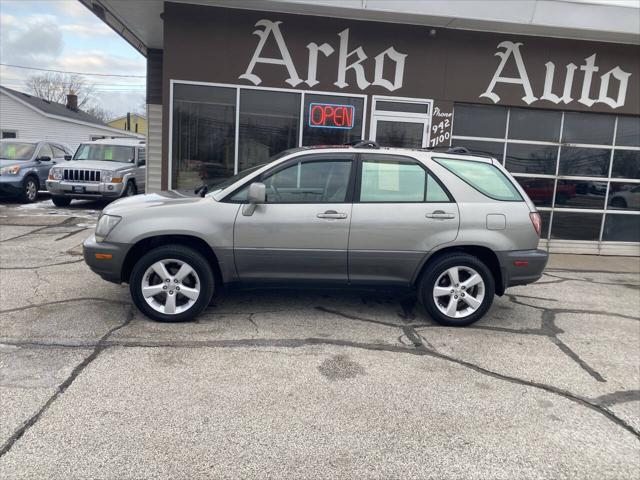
column 536, row 221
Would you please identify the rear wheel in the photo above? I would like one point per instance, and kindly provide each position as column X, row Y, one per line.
column 61, row 201
column 172, row 283
column 457, row 289
column 29, row 190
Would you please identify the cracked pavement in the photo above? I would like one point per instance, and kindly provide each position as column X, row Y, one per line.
column 309, row 384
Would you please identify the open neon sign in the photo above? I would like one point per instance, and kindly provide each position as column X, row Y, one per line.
column 331, row 115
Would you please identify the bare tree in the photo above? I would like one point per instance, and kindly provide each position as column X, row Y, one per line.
column 98, row 112
column 56, row 86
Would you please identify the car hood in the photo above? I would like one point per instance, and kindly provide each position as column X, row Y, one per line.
column 9, row 163
column 150, row 200
column 96, row 164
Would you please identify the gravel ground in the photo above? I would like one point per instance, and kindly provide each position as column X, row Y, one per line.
column 309, row 383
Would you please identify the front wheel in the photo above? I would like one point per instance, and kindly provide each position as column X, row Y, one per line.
column 130, row 190
column 61, row 201
column 172, row 283
column 29, row 190
column 457, row 289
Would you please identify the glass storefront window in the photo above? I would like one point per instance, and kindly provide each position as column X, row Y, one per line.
column 493, row 149
column 626, row 164
column 545, row 216
column 624, row 196
column 540, row 125
column 399, row 134
column 269, row 124
column 539, row 190
column 524, row 158
column 576, row 225
column 621, row 228
column 203, row 135
column 628, row 132
column 332, row 119
column 584, row 162
column 479, row 121
column 581, row 194
column 588, row 128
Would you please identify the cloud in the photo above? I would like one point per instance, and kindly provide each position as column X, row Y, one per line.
column 37, row 39
column 99, row 62
column 87, row 30
column 73, row 9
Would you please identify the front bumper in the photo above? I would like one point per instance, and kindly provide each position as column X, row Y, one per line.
column 64, row 188
column 520, row 267
column 11, row 185
column 109, row 268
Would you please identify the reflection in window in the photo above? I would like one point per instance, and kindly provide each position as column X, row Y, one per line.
column 545, row 216
column 310, row 182
column 626, row 164
column 628, row 132
column 588, row 128
column 624, row 196
column 479, row 120
column 540, row 190
column 540, row 125
column 268, row 125
column 576, row 225
column 203, row 134
column 329, row 135
column 493, row 149
column 581, row 194
column 621, row 228
column 399, row 134
column 584, row 162
column 522, row 158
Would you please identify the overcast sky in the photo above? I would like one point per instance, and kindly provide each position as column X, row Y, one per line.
column 64, row 35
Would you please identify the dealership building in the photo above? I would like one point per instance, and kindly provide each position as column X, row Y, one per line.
column 551, row 88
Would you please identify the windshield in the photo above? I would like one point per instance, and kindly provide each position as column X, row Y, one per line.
column 231, row 180
column 105, row 153
column 16, row 150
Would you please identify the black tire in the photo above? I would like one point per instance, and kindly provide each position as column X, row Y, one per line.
column 30, row 188
column 130, row 190
column 440, row 265
column 61, row 201
column 184, row 254
column 618, row 202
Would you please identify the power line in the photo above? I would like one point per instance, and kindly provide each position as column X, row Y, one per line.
column 76, row 73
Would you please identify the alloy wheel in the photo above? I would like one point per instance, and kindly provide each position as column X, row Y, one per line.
column 31, row 190
column 170, row 286
column 459, row 291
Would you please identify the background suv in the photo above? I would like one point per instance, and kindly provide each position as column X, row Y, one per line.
column 24, row 166
column 455, row 227
column 103, row 169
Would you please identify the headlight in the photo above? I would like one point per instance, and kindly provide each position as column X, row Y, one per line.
column 12, row 170
column 55, row 174
column 109, row 176
column 106, row 224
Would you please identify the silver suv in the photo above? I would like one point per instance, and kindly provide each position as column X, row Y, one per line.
column 103, row 169
column 457, row 228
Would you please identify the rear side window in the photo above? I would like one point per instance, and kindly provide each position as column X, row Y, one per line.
column 484, row 177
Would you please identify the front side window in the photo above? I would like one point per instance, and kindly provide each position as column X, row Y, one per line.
column 45, row 151
column 324, row 181
column 396, row 180
column 16, row 150
column 484, row 177
column 142, row 156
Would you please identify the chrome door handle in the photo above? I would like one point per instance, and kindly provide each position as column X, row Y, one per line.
column 331, row 214
column 440, row 214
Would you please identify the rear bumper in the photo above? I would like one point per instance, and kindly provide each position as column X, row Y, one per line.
column 520, row 267
column 109, row 269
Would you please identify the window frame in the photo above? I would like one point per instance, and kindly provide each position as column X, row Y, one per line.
column 401, row 159
column 304, row 158
column 15, row 134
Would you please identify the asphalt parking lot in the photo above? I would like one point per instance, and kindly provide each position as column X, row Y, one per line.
column 309, row 384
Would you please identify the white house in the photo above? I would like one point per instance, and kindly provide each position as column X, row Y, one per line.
column 27, row 117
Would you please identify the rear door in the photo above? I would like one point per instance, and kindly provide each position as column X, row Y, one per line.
column 302, row 231
column 401, row 211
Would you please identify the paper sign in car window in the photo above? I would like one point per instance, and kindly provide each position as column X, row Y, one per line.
column 11, row 151
column 108, row 154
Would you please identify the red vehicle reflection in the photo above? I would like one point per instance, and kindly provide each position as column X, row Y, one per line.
column 541, row 191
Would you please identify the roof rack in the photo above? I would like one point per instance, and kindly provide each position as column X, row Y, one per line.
column 458, row 151
column 363, row 144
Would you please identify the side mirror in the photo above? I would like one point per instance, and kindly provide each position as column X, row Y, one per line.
column 257, row 194
column 67, row 157
column 43, row 158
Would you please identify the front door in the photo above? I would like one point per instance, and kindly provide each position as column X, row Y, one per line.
column 302, row 231
column 400, row 212
column 401, row 122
